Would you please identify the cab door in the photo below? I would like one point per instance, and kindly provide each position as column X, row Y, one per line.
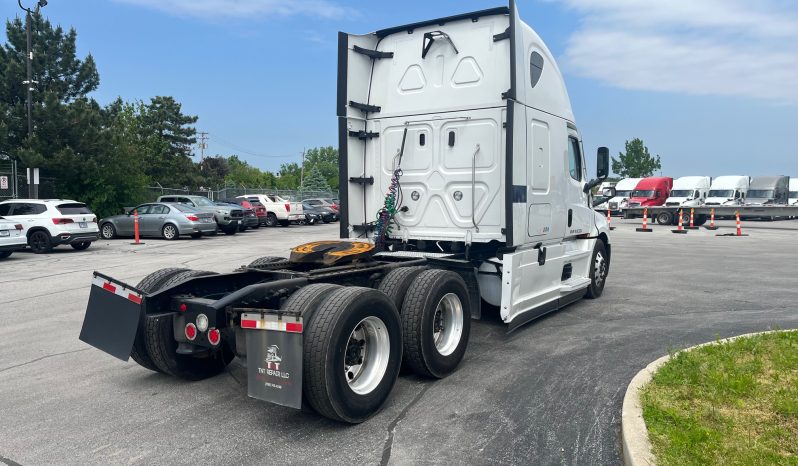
column 579, row 215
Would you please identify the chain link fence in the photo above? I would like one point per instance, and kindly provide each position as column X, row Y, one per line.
column 14, row 183
column 231, row 192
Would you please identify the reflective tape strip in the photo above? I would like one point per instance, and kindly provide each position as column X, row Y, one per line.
column 271, row 322
column 118, row 290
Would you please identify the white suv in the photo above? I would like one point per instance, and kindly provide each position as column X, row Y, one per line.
column 48, row 223
column 11, row 238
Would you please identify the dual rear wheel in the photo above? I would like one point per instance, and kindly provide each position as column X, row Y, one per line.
column 355, row 338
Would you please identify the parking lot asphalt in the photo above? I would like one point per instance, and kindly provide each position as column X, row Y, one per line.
column 548, row 393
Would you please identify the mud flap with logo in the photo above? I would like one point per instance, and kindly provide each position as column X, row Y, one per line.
column 112, row 316
column 274, row 358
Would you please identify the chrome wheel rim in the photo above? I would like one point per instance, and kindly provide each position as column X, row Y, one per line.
column 169, row 232
column 108, row 231
column 447, row 324
column 599, row 269
column 367, row 353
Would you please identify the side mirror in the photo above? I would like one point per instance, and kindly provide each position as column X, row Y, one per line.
column 603, row 169
column 608, row 192
column 603, row 163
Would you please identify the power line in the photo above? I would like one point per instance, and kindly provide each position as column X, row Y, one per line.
column 229, row 145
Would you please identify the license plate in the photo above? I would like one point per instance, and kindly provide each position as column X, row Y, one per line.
column 5, row 233
column 83, row 224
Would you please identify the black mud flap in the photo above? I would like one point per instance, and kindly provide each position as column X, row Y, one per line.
column 112, row 316
column 274, row 357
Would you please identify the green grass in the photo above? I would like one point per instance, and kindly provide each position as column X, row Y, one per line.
column 733, row 403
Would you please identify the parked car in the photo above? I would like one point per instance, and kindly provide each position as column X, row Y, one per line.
column 250, row 219
column 312, row 217
column 226, row 217
column 51, row 222
column 11, row 238
column 260, row 211
column 323, row 201
column 326, row 212
column 160, row 219
column 278, row 210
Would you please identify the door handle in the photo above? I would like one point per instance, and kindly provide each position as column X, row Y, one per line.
column 161, row 218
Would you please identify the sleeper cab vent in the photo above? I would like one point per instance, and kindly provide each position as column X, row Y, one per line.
column 567, row 269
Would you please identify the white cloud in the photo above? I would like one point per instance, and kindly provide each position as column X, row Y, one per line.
column 244, row 8
column 706, row 47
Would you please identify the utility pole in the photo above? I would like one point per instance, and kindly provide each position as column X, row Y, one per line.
column 203, row 144
column 29, row 82
column 302, row 171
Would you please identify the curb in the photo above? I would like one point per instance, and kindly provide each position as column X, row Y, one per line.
column 634, row 435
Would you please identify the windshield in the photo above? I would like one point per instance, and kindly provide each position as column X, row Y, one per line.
column 642, row 193
column 202, row 201
column 185, row 208
column 681, row 193
column 623, row 193
column 721, row 193
column 760, row 194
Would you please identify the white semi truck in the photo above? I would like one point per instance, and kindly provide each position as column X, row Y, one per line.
column 463, row 180
column 620, row 199
column 689, row 191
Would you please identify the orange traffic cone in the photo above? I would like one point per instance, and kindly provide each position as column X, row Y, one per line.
column 645, row 222
column 692, row 220
column 609, row 219
column 680, row 229
column 711, row 220
column 739, row 228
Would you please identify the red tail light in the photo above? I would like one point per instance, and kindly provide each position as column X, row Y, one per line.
column 193, row 218
column 18, row 226
column 191, row 331
column 94, row 220
column 335, row 206
column 214, row 337
column 62, row 221
column 288, row 207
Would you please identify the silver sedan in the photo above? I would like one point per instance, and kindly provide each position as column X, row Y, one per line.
column 165, row 220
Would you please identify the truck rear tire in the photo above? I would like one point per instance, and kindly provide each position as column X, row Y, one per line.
column 162, row 347
column 271, row 220
column 436, row 323
column 352, row 354
column 396, row 283
column 148, row 284
column 599, row 268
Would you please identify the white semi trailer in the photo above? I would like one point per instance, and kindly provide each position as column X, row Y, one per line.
column 463, row 180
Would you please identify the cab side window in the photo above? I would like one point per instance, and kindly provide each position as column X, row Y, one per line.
column 574, row 159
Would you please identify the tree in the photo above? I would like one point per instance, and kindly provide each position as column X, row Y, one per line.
column 637, row 162
column 167, row 138
column 63, row 79
column 325, row 159
column 315, row 181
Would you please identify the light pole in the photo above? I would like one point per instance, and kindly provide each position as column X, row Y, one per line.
column 29, row 82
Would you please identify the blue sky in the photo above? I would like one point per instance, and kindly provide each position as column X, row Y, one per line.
column 711, row 86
